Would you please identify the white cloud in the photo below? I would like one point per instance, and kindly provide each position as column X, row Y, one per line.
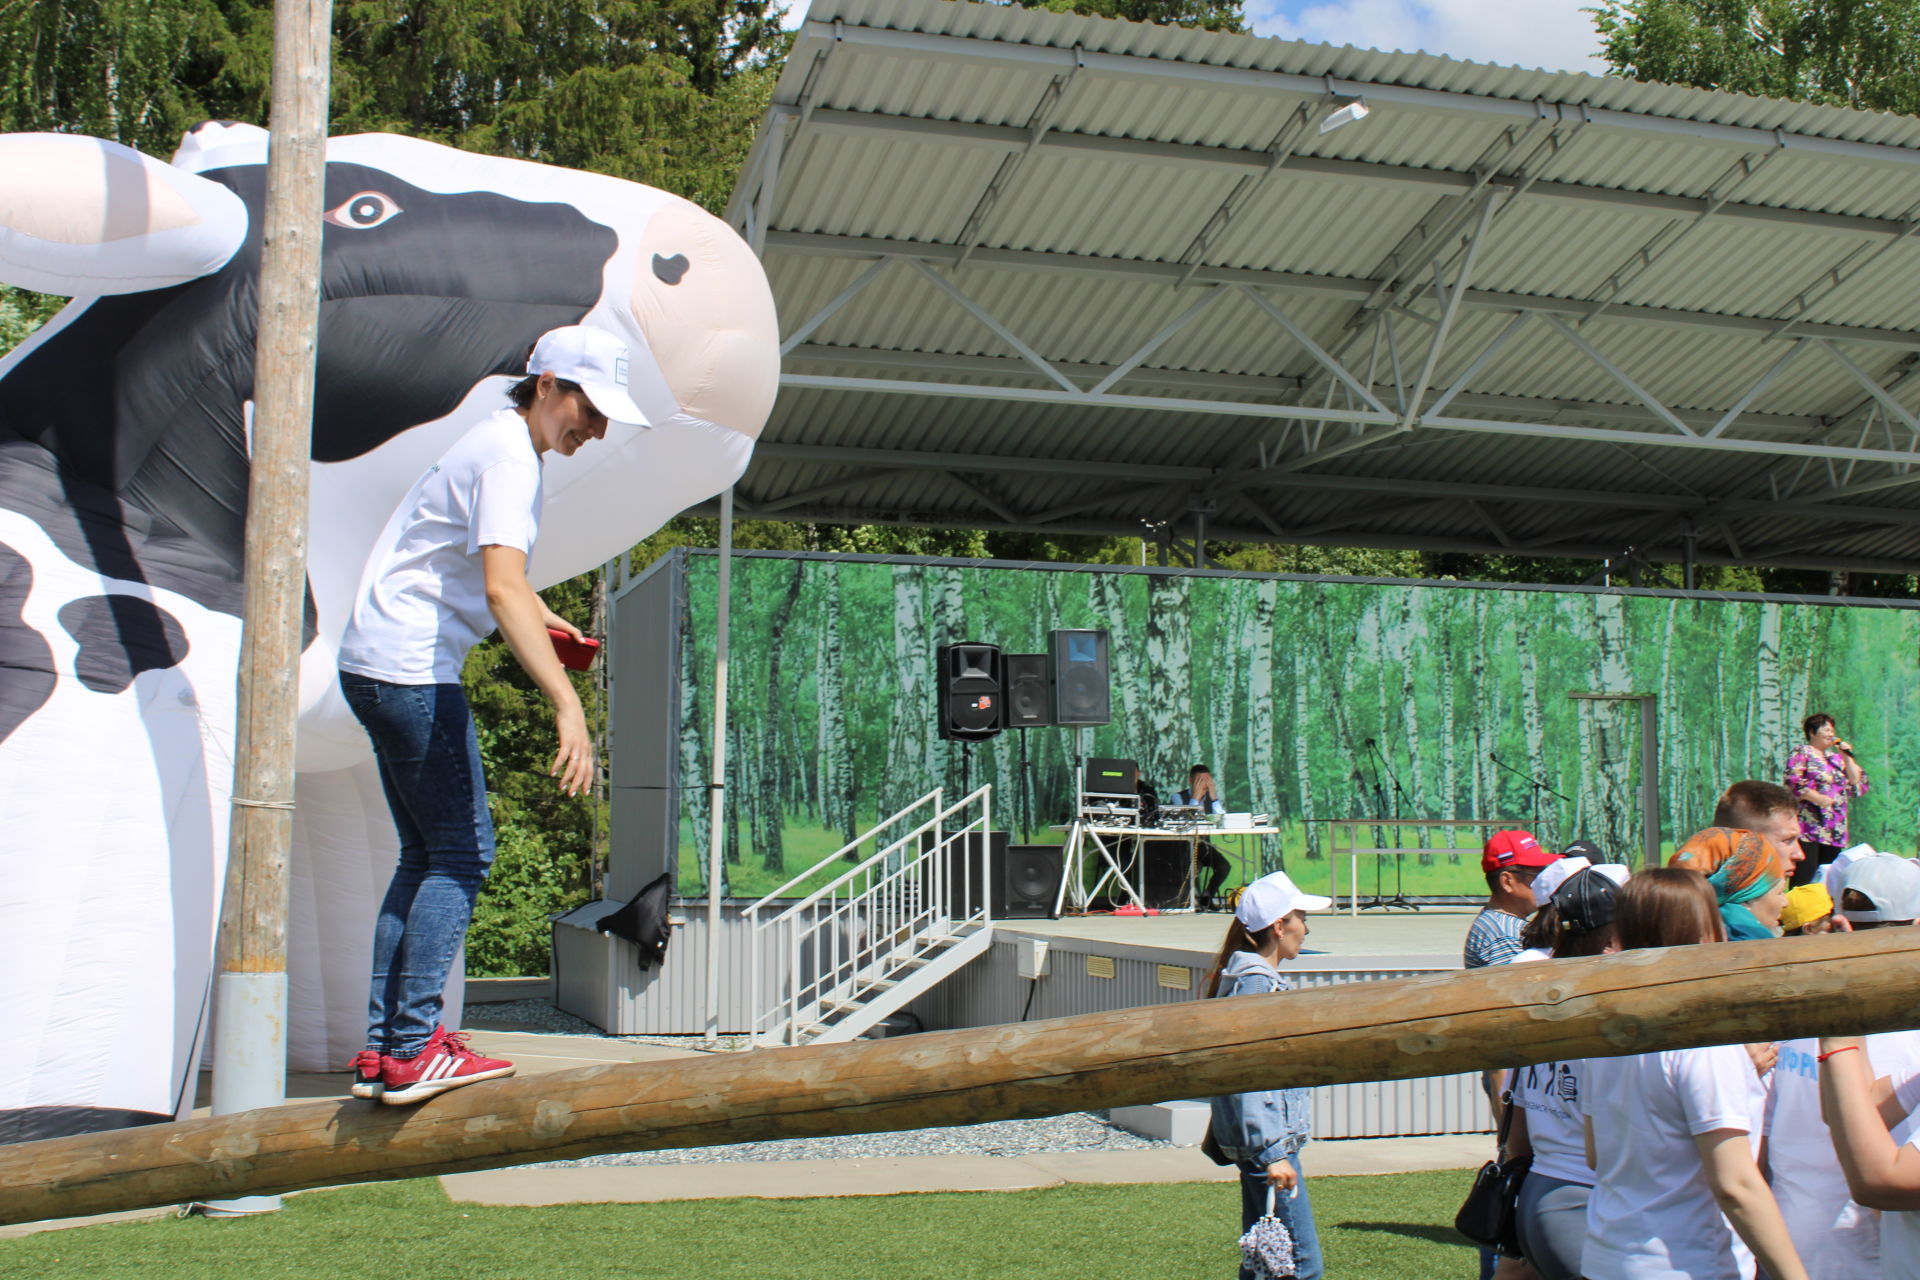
column 1554, row 34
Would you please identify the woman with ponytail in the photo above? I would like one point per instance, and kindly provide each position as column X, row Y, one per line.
column 1262, row 1132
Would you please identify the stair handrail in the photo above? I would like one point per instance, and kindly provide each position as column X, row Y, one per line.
column 843, row 850
column 891, row 885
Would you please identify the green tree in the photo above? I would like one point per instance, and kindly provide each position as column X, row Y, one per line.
column 1855, row 53
column 1213, row 15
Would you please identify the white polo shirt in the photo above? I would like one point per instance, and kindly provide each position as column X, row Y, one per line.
column 423, row 599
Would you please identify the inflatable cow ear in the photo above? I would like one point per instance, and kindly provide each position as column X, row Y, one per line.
column 84, row 216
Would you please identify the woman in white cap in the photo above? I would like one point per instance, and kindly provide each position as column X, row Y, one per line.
column 1263, row 1132
column 450, row 567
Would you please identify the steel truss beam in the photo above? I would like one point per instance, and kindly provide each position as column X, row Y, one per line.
column 1330, row 413
column 1132, row 477
column 1300, row 282
column 1241, row 384
column 1015, row 138
column 1227, row 532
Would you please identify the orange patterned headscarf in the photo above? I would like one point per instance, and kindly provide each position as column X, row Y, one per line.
column 1741, row 866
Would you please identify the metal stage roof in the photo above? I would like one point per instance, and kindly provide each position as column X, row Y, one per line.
column 1037, row 271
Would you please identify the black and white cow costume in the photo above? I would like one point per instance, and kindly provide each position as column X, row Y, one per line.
column 123, row 479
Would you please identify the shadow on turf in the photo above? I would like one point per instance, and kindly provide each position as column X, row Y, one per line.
column 1418, row 1230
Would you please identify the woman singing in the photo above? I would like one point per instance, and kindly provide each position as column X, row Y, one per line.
column 1822, row 775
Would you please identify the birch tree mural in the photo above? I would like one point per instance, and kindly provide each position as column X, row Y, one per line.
column 1170, row 709
column 1275, row 681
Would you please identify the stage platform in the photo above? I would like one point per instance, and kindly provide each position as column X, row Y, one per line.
column 1096, row 963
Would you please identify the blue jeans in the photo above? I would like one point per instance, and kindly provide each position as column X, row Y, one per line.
column 1296, row 1212
column 429, row 764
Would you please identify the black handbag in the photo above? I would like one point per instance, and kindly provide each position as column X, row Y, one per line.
column 1491, row 1215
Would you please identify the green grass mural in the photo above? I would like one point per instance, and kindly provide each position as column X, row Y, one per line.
column 1277, row 682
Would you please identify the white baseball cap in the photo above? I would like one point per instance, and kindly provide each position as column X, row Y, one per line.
column 594, row 359
column 1271, row 897
column 1890, row 882
column 1553, row 875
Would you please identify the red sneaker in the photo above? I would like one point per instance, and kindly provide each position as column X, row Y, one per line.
column 446, row 1063
column 366, row 1074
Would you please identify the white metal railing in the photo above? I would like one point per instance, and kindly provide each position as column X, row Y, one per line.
column 867, row 928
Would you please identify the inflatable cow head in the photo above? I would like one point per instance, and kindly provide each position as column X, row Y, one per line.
column 124, row 472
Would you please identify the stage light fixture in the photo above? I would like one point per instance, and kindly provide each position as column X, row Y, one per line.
column 1352, row 111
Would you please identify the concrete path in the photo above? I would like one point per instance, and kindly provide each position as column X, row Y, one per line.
column 811, row 1179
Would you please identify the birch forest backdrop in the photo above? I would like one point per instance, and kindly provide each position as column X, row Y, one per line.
column 1276, row 683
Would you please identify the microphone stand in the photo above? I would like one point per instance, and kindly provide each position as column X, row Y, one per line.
column 1537, row 784
column 1399, row 898
column 1380, row 807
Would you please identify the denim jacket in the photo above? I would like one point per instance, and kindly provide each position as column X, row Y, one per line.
column 1266, row 1127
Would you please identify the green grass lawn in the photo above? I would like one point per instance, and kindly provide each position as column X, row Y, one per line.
column 1385, row 1228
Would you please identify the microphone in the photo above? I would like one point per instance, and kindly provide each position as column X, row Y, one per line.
column 1369, row 742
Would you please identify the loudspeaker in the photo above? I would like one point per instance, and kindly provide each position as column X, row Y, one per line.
column 1022, row 879
column 968, row 683
column 1165, row 872
column 1079, row 677
column 1028, row 700
column 1026, row 880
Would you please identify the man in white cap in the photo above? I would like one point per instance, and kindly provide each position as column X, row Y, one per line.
column 449, row 567
column 1263, row 1132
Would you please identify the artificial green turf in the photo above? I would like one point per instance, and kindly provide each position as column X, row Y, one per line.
column 1383, row 1228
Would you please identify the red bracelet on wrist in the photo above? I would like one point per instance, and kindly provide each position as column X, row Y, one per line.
column 1822, row 1057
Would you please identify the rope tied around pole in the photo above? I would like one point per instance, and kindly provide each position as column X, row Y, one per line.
column 285, row 806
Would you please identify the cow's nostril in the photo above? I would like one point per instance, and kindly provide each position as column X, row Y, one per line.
column 671, row 270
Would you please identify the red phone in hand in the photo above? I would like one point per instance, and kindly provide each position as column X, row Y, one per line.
column 575, row 655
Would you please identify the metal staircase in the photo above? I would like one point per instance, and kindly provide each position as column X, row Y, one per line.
column 881, row 933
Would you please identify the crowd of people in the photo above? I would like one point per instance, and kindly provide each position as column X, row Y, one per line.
column 1785, row 1160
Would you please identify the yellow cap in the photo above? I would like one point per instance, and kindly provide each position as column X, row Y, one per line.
column 1805, row 905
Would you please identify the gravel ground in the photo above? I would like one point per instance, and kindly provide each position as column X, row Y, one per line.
column 1084, row 1131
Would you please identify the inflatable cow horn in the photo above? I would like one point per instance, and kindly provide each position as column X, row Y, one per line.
column 123, row 478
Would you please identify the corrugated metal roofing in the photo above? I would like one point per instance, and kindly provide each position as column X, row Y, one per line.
column 1055, row 183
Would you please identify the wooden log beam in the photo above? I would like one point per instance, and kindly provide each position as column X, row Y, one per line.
column 1432, row 1025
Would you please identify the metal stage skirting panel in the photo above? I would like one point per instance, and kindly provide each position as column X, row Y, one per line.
column 1148, row 971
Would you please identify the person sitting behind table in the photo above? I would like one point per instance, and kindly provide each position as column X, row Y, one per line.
column 1202, row 794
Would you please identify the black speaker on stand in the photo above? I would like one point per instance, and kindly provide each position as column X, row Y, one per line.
column 1029, row 704
column 1079, row 678
column 968, row 684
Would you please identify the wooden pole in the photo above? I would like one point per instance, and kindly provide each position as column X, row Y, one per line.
column 250, row 991
column 1439, row 1024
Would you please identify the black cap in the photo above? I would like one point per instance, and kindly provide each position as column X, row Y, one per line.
column 1585, row 901
column 1584, row 849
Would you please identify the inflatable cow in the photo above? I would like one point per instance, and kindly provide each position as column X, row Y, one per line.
column 123, row 490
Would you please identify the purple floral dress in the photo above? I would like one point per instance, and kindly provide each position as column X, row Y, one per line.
column 1809, row 769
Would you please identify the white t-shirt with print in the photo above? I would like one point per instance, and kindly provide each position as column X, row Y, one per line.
column 1549, row 1093
column 1652, row 1215
column 1837, row 1238
column 423, row 600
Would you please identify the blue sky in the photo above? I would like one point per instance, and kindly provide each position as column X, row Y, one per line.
column 1555, row 34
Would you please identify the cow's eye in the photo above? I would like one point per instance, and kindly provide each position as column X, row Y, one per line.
column 367, row 209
